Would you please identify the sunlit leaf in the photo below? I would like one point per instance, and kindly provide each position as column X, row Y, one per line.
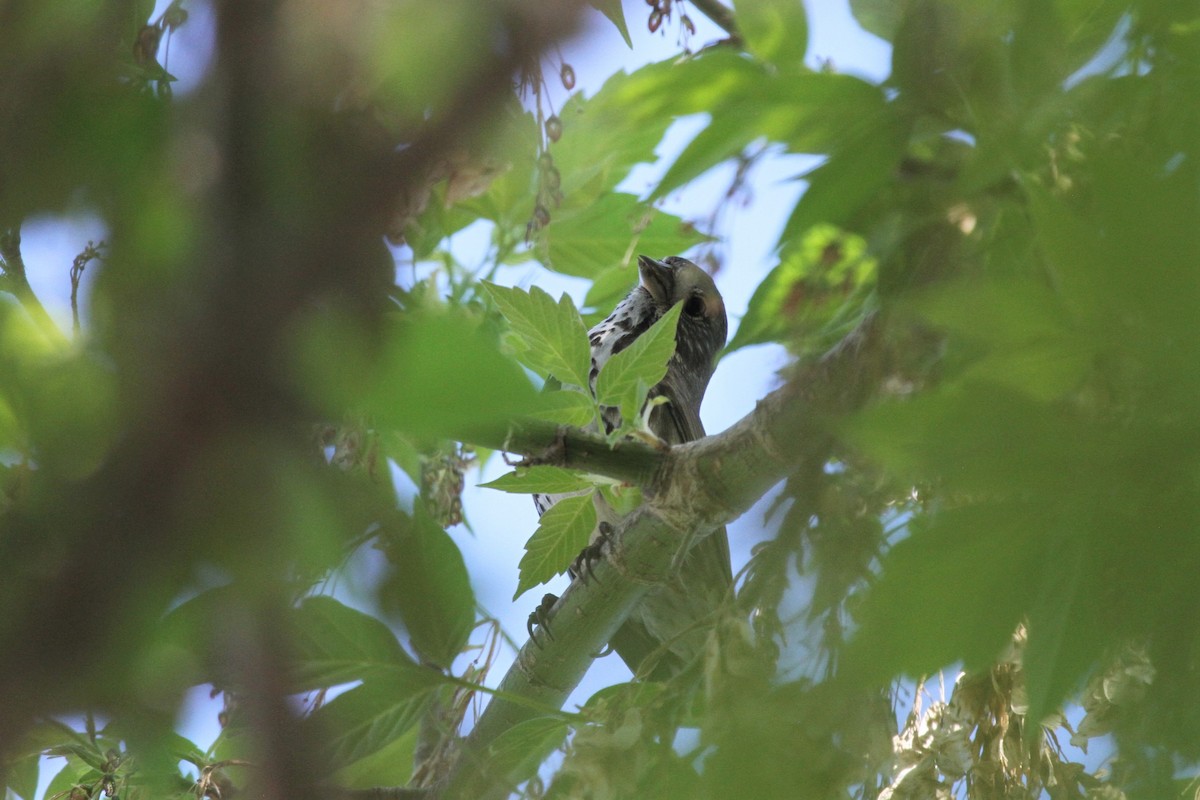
column 562, row 533
column 816, row 283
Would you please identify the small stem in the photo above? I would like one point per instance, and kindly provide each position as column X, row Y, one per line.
column 13, row 266
column 720, row 14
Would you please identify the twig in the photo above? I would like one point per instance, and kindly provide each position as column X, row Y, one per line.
column 91, row 252
column 16, row 282
column 719, row 14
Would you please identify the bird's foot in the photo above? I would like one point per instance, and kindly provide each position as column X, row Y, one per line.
column 540, row 617
column 583, row 565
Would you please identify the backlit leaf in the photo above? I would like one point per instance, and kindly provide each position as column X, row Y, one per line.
column 774, row 30
column 542, row 478
column 645, row 360
column 563, row 531
column 553, row 333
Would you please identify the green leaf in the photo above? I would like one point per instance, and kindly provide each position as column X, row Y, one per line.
column 645, row 360
column 553, row 333
column 606, row 234
column 360, row 723
column 563, row 531
column 566, row 408
column 390, row 765
column 815, row 282
column 953, row 591
column 613, row 10
column 335, row 644
column 22, row 776
column 542, row 478
column 432, row 589
column 848, row 180
column 775, row 31
column 880, row 17
column 609, row 287
column 515, row 754
column 433, row 370
column 73, row 773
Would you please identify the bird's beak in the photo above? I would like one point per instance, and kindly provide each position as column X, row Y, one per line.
column 657, row 278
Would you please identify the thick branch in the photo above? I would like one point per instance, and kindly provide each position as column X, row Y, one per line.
column 696, row 488
column 632, row 461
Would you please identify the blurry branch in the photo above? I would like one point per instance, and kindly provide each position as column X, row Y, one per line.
column 89, row 254
column 719, row 14
column 15, row 281
column 692, row 490
column 201, row 358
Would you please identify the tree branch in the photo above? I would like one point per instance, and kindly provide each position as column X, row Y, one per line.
column 720, row 14
column 17, row 282
column 696, row 488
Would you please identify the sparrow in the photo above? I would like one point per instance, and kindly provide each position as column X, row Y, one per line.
column 667, row 631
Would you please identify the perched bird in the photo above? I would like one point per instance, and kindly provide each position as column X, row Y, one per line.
column 668, row 624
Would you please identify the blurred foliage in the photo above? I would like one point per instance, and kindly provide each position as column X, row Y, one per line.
column 191, row 485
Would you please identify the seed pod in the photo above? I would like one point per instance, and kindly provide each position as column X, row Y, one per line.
column 554, row 128
column 541, row 216
column 145, row 46
column 545, row 161
column 552, row 178
column 688, row 24
column 655, row 21
column 568, row 77
column 174, row 17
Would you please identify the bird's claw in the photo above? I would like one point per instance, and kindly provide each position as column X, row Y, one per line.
column 540, row 617
column 583, row 565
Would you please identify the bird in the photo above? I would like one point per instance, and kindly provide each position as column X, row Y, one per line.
column 666, row 632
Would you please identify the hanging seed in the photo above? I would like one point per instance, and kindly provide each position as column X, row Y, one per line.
column 541, row 216
column 688, row 24
column 545, row 161
column 553, row 179
column 145, row 46
column 554, row 128
column 568, row 77
column 665, row 7
column 174, row 17
column 655, row 22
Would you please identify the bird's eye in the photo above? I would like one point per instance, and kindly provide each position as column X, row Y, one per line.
column 694, row 307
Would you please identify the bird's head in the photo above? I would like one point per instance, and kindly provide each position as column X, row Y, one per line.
column 702, row 324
